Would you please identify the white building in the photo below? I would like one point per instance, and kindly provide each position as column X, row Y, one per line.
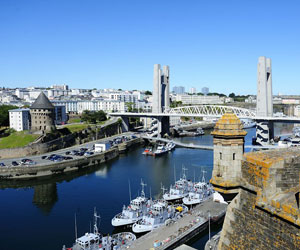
column 95, row 105
column 193, row 90
column 199, row 99
column 19, row 119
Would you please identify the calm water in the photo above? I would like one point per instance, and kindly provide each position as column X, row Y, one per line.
column 39, row 214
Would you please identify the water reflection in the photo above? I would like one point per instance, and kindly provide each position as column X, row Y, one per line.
column 45, row 196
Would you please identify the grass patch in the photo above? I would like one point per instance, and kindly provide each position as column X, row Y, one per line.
column 74, row 120
column 76, row 127
column 17, row 139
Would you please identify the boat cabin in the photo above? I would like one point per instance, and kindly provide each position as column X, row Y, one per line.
column 87, row 240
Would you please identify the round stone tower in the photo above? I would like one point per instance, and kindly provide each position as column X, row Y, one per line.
column 42, row 114
column 229, row 138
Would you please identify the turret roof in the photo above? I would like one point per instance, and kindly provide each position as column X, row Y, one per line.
column 229, row 125
column 42, row 102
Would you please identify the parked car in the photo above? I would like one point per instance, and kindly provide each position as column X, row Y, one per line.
column 14, row 163
column 2, row 164
column 28, row 162
column 68, row 158
column 68, row 152
column 83, row 149
column 44, row 157
column 88, row 153
column 74, row 152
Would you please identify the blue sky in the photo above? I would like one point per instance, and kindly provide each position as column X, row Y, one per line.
column 114, row 44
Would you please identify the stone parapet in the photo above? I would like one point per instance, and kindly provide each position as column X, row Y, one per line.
column 265, row 214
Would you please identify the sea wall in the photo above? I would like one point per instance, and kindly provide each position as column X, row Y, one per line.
column 76, row 138
column 265, row 214
column 54, row 168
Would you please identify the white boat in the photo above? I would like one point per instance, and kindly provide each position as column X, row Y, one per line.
column 180, row 189
column 201, row 192
column 170, row 146
column 159, row 214
column 95, row 240
column 161, row 149
column 200, row 131
column 134, row 211
column 248, row 123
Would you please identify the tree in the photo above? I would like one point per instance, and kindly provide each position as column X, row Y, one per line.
column 147, row 92
column 130, row 106
column 231, row 95
column 4, row 114
column 93, row 116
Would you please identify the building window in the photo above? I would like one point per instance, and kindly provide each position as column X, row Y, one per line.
column 233, row 156
column 220, row 156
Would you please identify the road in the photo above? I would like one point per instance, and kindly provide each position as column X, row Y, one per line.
column 38, row 158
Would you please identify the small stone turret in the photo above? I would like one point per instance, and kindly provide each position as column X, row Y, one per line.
column 228, row 142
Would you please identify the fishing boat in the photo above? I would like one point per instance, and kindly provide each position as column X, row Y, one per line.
column 96, row 241
column 134, row 211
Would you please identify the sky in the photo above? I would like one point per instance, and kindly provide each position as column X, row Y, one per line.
column 114, row 44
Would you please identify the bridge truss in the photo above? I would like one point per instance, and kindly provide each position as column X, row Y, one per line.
column 211, row 110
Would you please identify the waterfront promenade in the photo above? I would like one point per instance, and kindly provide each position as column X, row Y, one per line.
column 183, row 229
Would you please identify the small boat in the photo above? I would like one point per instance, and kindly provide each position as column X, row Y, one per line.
column 134, row 211
column 95, row 240
column 148, row 151
column 159, row 214
column 180, row 189
column 161, row 149
column 201, row 192
column 200, row 132
column 170, row 146
column 248, row 123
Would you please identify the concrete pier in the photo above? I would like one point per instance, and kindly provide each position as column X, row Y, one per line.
column 193, row 222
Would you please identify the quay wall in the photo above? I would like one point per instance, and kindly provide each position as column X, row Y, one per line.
column 54, row 168
column 76, row 138
column 265, row 214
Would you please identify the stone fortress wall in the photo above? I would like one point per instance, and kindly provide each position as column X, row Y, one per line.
column 66, row 141
column 265, row 212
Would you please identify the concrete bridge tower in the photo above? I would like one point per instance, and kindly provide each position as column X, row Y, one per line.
column 264, row 104
column 228, row 139
column 161, row 96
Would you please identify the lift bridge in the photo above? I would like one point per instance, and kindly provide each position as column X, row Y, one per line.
column 264, row 128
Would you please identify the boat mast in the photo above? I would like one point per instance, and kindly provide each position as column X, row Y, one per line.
column 163, row 188
column 183, row 171
column 75, row 227
column 95, row 223
column 174, row 173
column 203, row 175
column 143, row 186
column 129, row 190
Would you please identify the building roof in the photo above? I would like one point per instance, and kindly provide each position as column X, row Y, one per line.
column 229, row 125
column 18, row 110
column 42, row 102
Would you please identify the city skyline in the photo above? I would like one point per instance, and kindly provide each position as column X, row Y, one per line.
column 102, row 44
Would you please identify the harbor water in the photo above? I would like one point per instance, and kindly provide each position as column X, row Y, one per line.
column 40, row 214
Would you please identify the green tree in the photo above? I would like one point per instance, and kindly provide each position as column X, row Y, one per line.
column 130, row 106
column 4, row 114
column 147, row 92
column 231, row 95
